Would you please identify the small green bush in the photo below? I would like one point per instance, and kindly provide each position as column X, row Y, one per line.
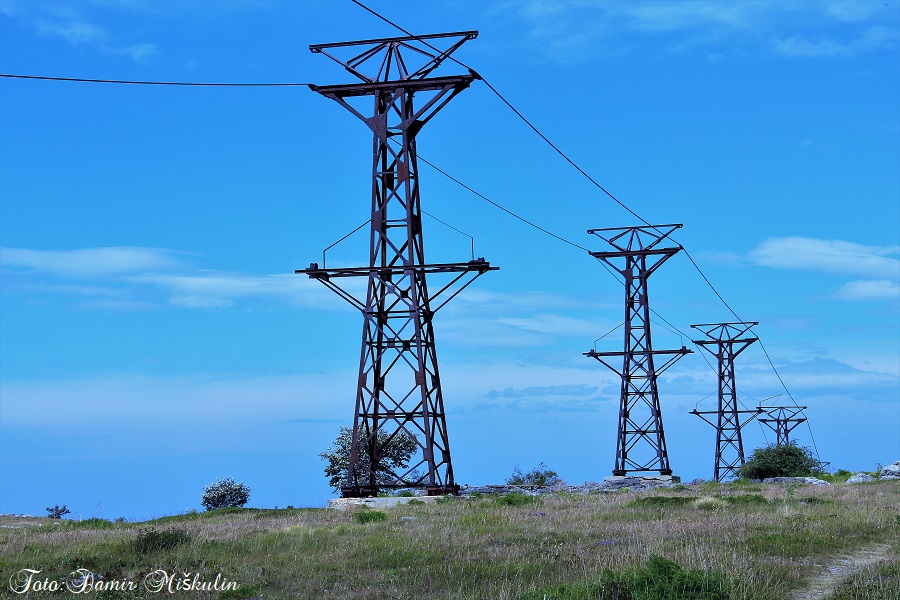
column 540, row 475
column 57, row 511
column 661, row 501
column 92, row 523
column 788, row 460
column 223, row 493
column 516, row 499
column 153, row 540
column 659, row 579
column 369, row 516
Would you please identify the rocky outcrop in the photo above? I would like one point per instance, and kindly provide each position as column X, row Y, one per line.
column 610, row 484
column 891, row 471
column 861, row 478
column 801, row 480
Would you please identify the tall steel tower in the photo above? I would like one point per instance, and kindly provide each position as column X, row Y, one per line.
column 399, row 385
column 641, row 441
column 782, row 420
column 725, row 341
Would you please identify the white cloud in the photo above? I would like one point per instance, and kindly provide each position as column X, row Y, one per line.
column 873, row 38
column 836, row 257
column 140, row 53
column 186, row 402
column 881, row 289
column 556, row 324
column 89, row 262
column 76, row 25
column 570, row 29
column 133, row 270
column 216, row 289
column 74, row 32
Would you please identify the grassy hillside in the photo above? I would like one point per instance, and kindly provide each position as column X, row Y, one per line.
column 751, row 541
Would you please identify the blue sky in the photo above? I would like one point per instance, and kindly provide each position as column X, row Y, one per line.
column 153, row 336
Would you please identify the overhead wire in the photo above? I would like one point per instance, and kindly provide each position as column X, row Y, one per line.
column 131, row 82
column 589, row 178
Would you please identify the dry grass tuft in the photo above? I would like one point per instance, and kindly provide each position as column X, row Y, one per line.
column 709, row 503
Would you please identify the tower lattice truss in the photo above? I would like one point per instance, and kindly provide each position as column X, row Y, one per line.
column 641, row 440
column 726, row 341
column 399, row 386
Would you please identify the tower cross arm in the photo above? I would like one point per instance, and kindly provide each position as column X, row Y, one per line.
column 391, row 55
column 629, row 253
column 367, row 89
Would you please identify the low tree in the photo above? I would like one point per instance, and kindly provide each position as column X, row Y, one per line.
column 395, row 454
column 57, row 511
column 223, row 493
column 788, row 460
column 540, row 475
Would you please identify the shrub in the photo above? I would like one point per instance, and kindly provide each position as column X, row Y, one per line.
column 154, row 540
column 540, row 475
column 395, row 453
column 660, row 579
column 224, row 493
column 369, row 516
column 788, row 460
column 516, row 499
column 661, row 501
column 57, row 512
column 92, row 523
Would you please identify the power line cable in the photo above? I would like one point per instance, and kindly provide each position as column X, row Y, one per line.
column 504, row 209
column 130, row 82
column 586, row 175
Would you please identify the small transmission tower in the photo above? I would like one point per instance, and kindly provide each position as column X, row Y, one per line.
column 399, row 385
column 725, row 341
column 782, row 420
column 641, row 441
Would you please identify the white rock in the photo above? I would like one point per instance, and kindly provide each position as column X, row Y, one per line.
column 891, row 471
column 805, row 480
column 861, row 478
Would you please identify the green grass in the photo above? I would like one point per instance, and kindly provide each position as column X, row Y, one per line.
column 489, row 547
column 878, row 582
column 370, row 516
column 659, row 579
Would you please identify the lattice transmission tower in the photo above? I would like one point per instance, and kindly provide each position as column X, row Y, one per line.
column 399, row 385
column 782, row 420
column 725, row 341
column 641, row 441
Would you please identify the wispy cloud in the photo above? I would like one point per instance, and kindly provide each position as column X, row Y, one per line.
column 74, row 32
column 570, row 29
column 212, row 401
column 90, row 262
column 520, row 319
column 881, row 289
column 77, row 26
column 871, row 39
column 133, row 277
column 836, row 257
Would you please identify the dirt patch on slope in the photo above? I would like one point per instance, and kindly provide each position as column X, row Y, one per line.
column 829, row 575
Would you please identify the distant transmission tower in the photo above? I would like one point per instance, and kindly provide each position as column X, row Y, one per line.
column 641, row 441
column 399, row 386
column 725, row 341
column 782, row 420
